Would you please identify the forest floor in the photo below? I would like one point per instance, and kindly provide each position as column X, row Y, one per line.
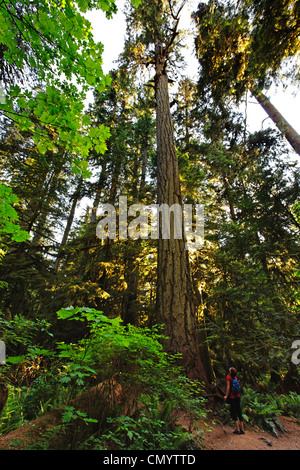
column 221, row 437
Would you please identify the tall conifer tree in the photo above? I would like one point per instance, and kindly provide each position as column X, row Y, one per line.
column 154, row 41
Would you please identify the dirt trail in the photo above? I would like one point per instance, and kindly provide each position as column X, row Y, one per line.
column 221, row 437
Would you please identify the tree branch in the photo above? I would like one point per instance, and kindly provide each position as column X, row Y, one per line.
column 174, row 30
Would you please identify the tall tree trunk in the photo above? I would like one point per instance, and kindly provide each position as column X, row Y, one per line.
column 285, row 128
column 144, row 165
column 99, row 190
column 131, row 307
column 175, row 302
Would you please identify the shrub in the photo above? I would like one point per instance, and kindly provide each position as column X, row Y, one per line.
column 153, row 385
column 41, row 396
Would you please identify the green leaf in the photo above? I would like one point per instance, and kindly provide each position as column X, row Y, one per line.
column 8, row 215
column 15, row 359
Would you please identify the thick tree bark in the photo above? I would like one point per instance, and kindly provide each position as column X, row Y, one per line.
column 285, row 128
column 175, row 303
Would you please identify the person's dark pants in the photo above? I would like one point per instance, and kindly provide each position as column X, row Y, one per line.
column 235, row 409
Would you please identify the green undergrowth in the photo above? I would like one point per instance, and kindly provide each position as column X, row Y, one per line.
column 264, row 409
column 157, row 393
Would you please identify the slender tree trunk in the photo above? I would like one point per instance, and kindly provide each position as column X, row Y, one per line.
column 229, row 197
column 175, row 302
column 75, row 199
column 285, row 128
column 130, row 311
column 144, row 165
column 98, row 193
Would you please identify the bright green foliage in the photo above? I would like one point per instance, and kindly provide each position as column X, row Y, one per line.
column 135, row 357
column 111, row 348
column 71, row 413
column 53, row 42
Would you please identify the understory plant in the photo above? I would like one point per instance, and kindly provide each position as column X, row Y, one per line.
column 153, row 427
column 264, row 409
column 157, row 395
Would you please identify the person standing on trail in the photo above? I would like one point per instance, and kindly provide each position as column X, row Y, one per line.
column 233, row 398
